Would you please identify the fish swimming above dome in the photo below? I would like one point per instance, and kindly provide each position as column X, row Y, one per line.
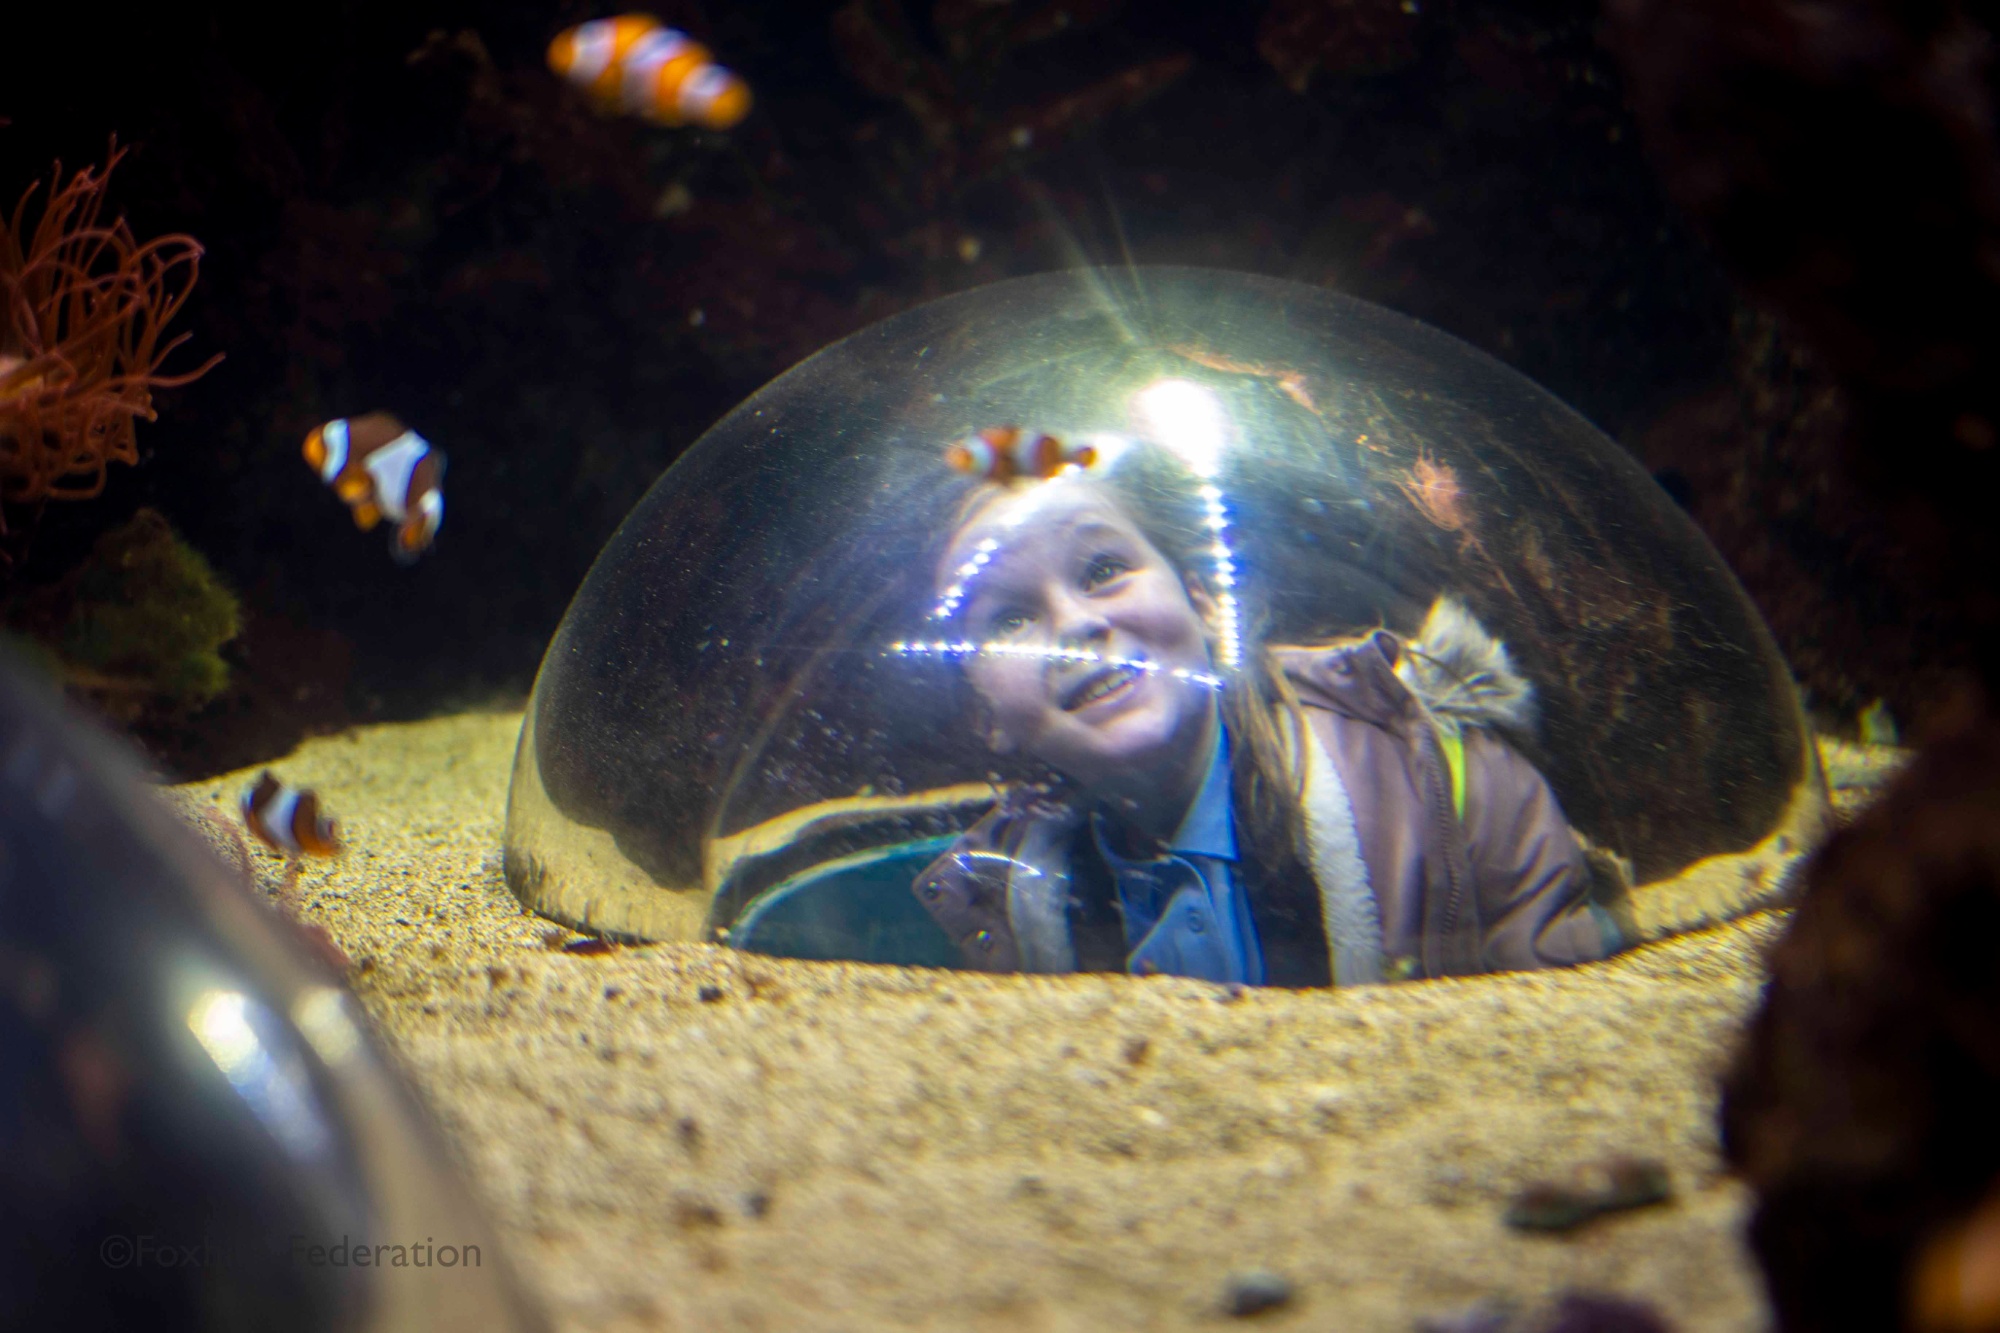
column 382, row 469
column 1009, row 454
column 634, row 64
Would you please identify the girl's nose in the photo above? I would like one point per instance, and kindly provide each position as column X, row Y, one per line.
column 1077, row 621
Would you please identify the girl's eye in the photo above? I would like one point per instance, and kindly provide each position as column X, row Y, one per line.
column 1102, row 570
column 1008, row 622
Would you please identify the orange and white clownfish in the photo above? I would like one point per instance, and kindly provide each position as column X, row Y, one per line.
column 383, row 469
column 1008, row 453
column 633, row 64
column 288, row 820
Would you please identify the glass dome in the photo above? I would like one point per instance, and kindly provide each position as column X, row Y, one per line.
column 1159, row 620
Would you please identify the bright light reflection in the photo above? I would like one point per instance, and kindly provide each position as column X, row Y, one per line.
column 221, row 1022
column 967, row 648
column 1186, row 418
column 321, row 1014
column 1229, row 630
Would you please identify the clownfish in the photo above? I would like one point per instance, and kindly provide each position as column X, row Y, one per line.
column 633, row 64
column 383, row 469
column 1008, row 453
column 288, row 820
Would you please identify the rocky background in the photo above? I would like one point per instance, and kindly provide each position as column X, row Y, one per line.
column 403, row 209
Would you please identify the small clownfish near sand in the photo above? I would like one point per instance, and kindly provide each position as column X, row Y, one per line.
column 383, row 469
column 1009, row 454
column 288, row 820
column 633, row 64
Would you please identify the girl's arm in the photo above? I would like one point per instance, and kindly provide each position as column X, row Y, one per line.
column 1529, row 873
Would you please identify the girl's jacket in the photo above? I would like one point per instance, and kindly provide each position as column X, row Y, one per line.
column 1436, row 848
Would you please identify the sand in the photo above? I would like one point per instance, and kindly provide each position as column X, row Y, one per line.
column 682, row 1137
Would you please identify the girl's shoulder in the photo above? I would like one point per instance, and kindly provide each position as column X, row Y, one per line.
column 1452, row 668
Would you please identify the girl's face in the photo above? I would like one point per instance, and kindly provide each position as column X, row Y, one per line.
column 1070, row 571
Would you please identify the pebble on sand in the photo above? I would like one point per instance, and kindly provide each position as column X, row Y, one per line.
column 1255, row 1292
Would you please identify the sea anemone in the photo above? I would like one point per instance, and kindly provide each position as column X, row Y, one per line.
column 81, row 344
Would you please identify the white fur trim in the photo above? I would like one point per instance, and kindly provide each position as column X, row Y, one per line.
column 1347, row 901
column 1038, row 901
column 1462, row 675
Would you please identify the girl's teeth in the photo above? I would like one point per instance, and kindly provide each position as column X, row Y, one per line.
column 1105, row 685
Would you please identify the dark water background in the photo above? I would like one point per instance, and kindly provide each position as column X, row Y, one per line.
column 403, row 209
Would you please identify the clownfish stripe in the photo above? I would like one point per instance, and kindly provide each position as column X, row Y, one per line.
column 648, row 56
column 334, row 435
column 1009, row 454
column 702, row 89
column 268, row 809
column 973, row 455
column 390, row 467
column 287, row 819
column 278, row 819
column 1044, row 452
column 591, row 49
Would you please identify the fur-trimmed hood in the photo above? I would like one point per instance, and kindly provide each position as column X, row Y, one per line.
column 1451, row 673
column 1462, row 675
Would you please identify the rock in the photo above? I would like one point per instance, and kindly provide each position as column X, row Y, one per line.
column 1254, row 1292
column 1592, row 1312
column 1860, row 1106
column 1610, row 1186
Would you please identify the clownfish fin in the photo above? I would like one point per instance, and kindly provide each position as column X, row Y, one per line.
column 312, row 832
column 367, row 514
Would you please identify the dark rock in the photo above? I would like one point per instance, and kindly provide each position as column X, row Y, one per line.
column 1254, row 1292
column 1591, row 1312
column 1603, row 1187
column 1861, row 1105
column 1572, row 1312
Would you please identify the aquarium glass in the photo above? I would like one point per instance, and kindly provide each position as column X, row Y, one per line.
column 1317, row 646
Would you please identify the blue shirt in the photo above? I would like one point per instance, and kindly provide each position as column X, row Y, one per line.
column 1186, row 913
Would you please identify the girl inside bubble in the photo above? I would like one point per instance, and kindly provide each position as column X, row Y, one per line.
column 1304, row 816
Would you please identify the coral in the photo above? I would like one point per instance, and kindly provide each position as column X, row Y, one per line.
column 80, row 338
column 1434, row 491
column 1433, row 488
column 139, row 623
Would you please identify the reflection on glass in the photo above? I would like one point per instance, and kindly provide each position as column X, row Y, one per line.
column 227, row 1023
column 1264, row 637
column 1347, row 812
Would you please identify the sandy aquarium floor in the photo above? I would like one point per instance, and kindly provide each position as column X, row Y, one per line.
column 682, row 1137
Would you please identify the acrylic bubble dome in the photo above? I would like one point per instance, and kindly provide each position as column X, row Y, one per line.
column 1317, row 623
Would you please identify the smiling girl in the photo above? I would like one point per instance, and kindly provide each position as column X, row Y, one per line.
column 1337, row 814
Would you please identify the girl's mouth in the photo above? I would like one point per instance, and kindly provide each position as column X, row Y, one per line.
column 1099, row 685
